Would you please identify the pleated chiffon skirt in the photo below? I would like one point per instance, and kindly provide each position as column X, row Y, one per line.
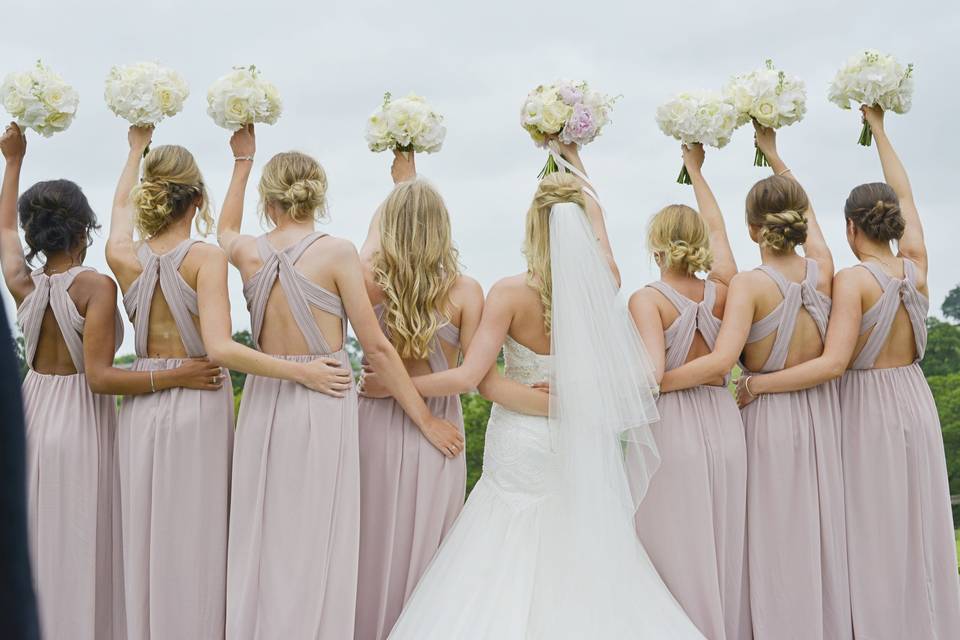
column 797, row 556
column 410, row 496
column 903, row 559
column 73, row 508
column 295, row 513
column 175, row 451
column 692, row 520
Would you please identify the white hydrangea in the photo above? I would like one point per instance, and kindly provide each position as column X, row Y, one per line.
column 703, row 117
column 145, row 93
column 405, row 123
column 39, row 99
column 874, row 79
column 242, row 97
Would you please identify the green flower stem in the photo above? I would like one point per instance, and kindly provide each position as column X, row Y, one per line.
column 548, row 168
column 866, row 134
column 760, row 160
column 684, row 177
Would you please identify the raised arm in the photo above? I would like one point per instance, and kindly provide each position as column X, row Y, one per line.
column 646, row 316
column 911, row 245
column 121, row 253
column 243, row 143
column 841, row 340
column 16, row 271
column 734, row 330
column 403, row 169
column 815, row 246
column 99, row 345
column 724, row 264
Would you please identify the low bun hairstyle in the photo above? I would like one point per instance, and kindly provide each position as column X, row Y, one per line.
column 778, row 206
column 55, row 217
column 170, row 186
column 556, row 188
column 875, row 210
column 297, row 184
column 680, row 237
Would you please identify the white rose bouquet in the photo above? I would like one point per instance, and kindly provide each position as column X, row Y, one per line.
column 145, row 93
column 39, row 99
column 405, row 124
column 697, row 116
column 768, row 96
column 242, row 97
column 571, row 111
column 872, row 78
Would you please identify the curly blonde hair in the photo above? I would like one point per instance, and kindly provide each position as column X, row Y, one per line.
column 296, row 184
column 778, row 206
column 680, row 237
column 416, row 266
column 171, row 184
column 556, row 188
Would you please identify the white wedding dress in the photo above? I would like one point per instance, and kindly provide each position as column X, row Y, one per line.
column 545, row 547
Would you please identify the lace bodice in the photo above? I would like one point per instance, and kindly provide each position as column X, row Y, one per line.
column 517, row 457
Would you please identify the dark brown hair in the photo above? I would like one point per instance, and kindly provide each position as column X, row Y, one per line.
column 875, row 210
column 778, row 205
column 55, row 216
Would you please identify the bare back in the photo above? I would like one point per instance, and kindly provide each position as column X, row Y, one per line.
column 527, row 325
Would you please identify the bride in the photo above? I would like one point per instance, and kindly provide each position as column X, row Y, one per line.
column 545, row 546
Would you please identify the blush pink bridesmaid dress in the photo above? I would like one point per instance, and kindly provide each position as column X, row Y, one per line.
column 692, row 521
column 295, row 511
column 410, row 495
column 73, row 495
column 174, row 452
column 903, row 558
column 796, row 537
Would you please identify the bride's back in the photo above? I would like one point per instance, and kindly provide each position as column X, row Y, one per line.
column 527, row 326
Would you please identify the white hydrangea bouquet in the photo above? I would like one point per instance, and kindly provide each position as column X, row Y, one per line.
column 768, row 96
column 405, row 124
column 568, row 110
column 145, row 93
column 703, row 117
column 39, row 99
column 872, row 78
column 242, row 97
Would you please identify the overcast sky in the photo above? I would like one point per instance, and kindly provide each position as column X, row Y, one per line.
column 475, row 63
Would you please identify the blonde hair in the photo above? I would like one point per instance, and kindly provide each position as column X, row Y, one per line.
column 170, row 185
column 554, row 189
column 416, row 266
column 680, row 237
column 778, row 205
column 297, row 184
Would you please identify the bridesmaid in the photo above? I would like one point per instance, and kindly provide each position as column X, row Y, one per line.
column 902, row 554
column 68, row 313
column 700, row 550
column 776, row 315
column 294, row 525
column 175, row 445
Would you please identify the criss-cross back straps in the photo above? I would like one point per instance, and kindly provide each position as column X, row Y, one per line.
column 448, row 333
column 694, row 317
column 180, row 298
column 881, row 315
column 53, row 291
column 783, row 319
column 566, row 166
column 300, row 291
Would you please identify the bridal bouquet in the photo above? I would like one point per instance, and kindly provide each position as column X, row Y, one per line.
column 405, row 124
column 145, row 93
column 697, row 116
column 39, row 99
column 242, row 97
column 770, row 97
column 873, row 78
column 571, row 111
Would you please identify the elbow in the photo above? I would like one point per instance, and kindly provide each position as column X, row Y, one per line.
column 835, row 368
column 97, row 381
column 218, row 353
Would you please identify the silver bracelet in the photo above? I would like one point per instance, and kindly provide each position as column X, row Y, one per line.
column 153, row 388
column 242, row 158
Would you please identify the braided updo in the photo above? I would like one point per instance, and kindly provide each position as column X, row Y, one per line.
column 171, row 185
column 55, row 216
column 297, row 184
column 679, row 236
column 778, row 206
column 875, row 209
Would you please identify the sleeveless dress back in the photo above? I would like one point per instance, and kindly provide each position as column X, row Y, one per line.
column 72, row 486
column 410, row 495
column 799, row 587
column 903, row 562
column 693, row 519
column 295, row 511
column 174, row 453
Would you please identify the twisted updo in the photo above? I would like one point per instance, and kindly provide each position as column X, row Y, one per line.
column 170, row 186
column 556, row 188
column 55, row 216
column 680, row 237
column 778, row 206
column 297, row 184
column 875, row 209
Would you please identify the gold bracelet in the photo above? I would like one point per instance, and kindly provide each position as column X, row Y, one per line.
column 746, row 387
column 241, row 158
column 785, row 172
column 153, row 388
